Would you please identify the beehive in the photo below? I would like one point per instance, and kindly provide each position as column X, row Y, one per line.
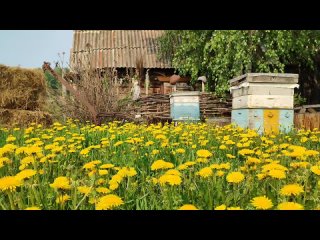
column 264, row 101
column 185, row 106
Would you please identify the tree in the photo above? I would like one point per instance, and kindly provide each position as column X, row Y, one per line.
column 224, row 54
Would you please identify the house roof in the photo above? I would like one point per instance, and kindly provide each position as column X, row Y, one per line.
column 118, row 48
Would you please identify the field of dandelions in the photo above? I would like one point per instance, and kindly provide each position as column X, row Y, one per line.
column 155, row 167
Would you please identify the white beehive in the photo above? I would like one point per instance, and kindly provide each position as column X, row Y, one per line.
column 263, row 90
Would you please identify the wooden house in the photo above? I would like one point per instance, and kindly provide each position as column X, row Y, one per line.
column 126, row 52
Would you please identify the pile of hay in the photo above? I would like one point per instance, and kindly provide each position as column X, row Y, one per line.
column 21, row 88
column 22, row 96
column 11, row 117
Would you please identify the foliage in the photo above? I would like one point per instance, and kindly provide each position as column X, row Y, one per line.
column 51, row 81
column 299, row 100
column 224, row 54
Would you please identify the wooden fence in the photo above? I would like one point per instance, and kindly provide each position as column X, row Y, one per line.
column 307, row 117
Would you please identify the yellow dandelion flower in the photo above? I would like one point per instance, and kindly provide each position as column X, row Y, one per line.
column 273, row 166
column 118, row 143
column 202, row 160
column 303, row 139
column 61, row 183
column 205, row 172
column 225, row 166
column 235, row 177
column 283, row 145
column 96, row 162
column 103, row 172
column 202, row 153
column 113, row 185
column 188, row 207
column 33, row 208
column 278, row 174
column 220, row 173
column 85, row 151
column 245, row 151
column 290, row 206
column 182, row 167
column 261, row 176
column 180, row 150
column 116, row 178
column 84, row 190
column 9, row 183
column 108, row 202
column 234, row 208
column 161, row 164
column 291, row 189
column 4, row 160
column 230, row 142
column 311, row 153
column 222, row 147
column 149, row 143
column 127, row 172
column 27, row 173
column 230, row 156
column 155, row 151
column 33, row 150
column 262, row 203
column 190, row 163
column 239, row 145
column 172, row 180
column 62, row 199
column 91, row 165
column 221, row 207
column 27, row 160
column 173, row 172
column 252, row 160
column 10, row 138
column 299, row 164
column 160, row 136
column 103, row 190
column 215, row 166
column 107, row 166
column 92, row 173
column 315, row 170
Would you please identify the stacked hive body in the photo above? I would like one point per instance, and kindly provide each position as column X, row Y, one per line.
column 185, row 106
column 264, row 101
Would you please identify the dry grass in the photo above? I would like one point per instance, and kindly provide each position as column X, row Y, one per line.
column 12, row 117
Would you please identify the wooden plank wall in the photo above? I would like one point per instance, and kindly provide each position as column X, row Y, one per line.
column 307, row 120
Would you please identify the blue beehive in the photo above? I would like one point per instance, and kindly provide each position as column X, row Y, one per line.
column 268, row 120
column 185, row 106
column 263, row 101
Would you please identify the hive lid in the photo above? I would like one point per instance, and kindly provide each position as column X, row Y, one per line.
column 265, row 78
column 185, row 93
column 246, row 84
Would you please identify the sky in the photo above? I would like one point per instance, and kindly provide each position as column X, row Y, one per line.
column 30, row 48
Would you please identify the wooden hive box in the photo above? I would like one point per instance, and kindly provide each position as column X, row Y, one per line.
column 263, row 101
column 185, row 106
column 263, row 90
column 264, row 120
